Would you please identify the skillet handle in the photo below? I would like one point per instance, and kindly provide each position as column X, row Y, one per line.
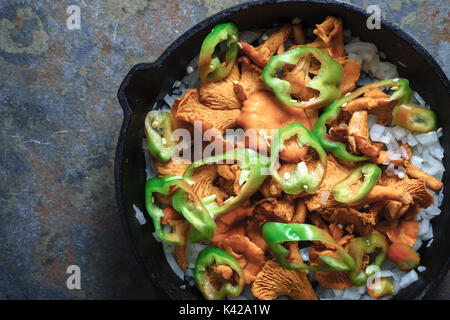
column 142, row 87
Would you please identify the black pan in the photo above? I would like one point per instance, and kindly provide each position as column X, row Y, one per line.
column 148, row 83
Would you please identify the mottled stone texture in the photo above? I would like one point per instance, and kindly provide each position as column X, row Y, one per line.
column 60, row 121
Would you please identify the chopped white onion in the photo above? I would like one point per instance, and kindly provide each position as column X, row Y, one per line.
column 376, row 132
column 305, row 253
column 427, row 138
column 412, row 141
column 139, row 215
column 324, row 197
column 390, row 169
column 417, row 244
column 168, row 252
column 399, row 132
column 416, row 161
column 371, row 120
column 421, row 268
column 436, row 150
column 404, row 153
column 408, row 279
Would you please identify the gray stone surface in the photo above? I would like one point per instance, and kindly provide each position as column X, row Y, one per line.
column 60, row 121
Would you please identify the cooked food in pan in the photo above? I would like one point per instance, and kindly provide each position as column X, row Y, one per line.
column 293, row 163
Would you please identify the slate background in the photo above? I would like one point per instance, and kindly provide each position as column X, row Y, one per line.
column 60, row 120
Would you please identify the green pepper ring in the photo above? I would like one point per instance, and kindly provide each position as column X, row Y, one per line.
column 202, row 225
column 211, row 69
column 257, row 165
column 414, row 118
column 343, row 194
column 402, row 93
column 367, row 244
column 327, row 81
column 296, row 182
column 159, row 147
column 275, row 234
column 207, row 257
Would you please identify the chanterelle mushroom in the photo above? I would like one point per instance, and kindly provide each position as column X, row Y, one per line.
column 254, row 233
column 263, row 112
column 229, row 223
column 176, row 168
column 274, row 281
column 276, row 210
column 190, row 109
column 358, row 134
column 431, row 182
column 270, row 188
column 330, row 36
column 250, row 81
column 220, row 95
column 415, row 187
column 248, row 254
column 261, row 54
column 403, row 190
column 352, row 70
column 363, row 222
column 333, row 280
column 404, row 232
column 203, row 178
column 376, row 102
column 298, row 77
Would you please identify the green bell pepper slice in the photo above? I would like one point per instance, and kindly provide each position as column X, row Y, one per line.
column 414, row 118
column 158, row 130
column 275, row 234
column 208, row 257
column 367, row 244
column 211, row 69
column 327, row 81
column 402, row 93
column 254, row 167
column 300, row 179
column 385, row 288
column 342, row 192
column 404, row 256
column 202, row 224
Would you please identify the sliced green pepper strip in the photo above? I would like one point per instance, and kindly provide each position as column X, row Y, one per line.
column 402, row 93
column 342, row 192
column 368, row 244
column 158, row 130
column 162, row 186
column 215, row 256
column 211, row 69
column 327, row 80
column 300, row 179
column 202, row 225
column 275, row 234
column 414, row 118
column 256, row 168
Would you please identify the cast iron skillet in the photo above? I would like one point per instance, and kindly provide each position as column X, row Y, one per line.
column 147, row 83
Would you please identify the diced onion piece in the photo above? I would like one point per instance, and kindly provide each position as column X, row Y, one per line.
column 324, row 197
